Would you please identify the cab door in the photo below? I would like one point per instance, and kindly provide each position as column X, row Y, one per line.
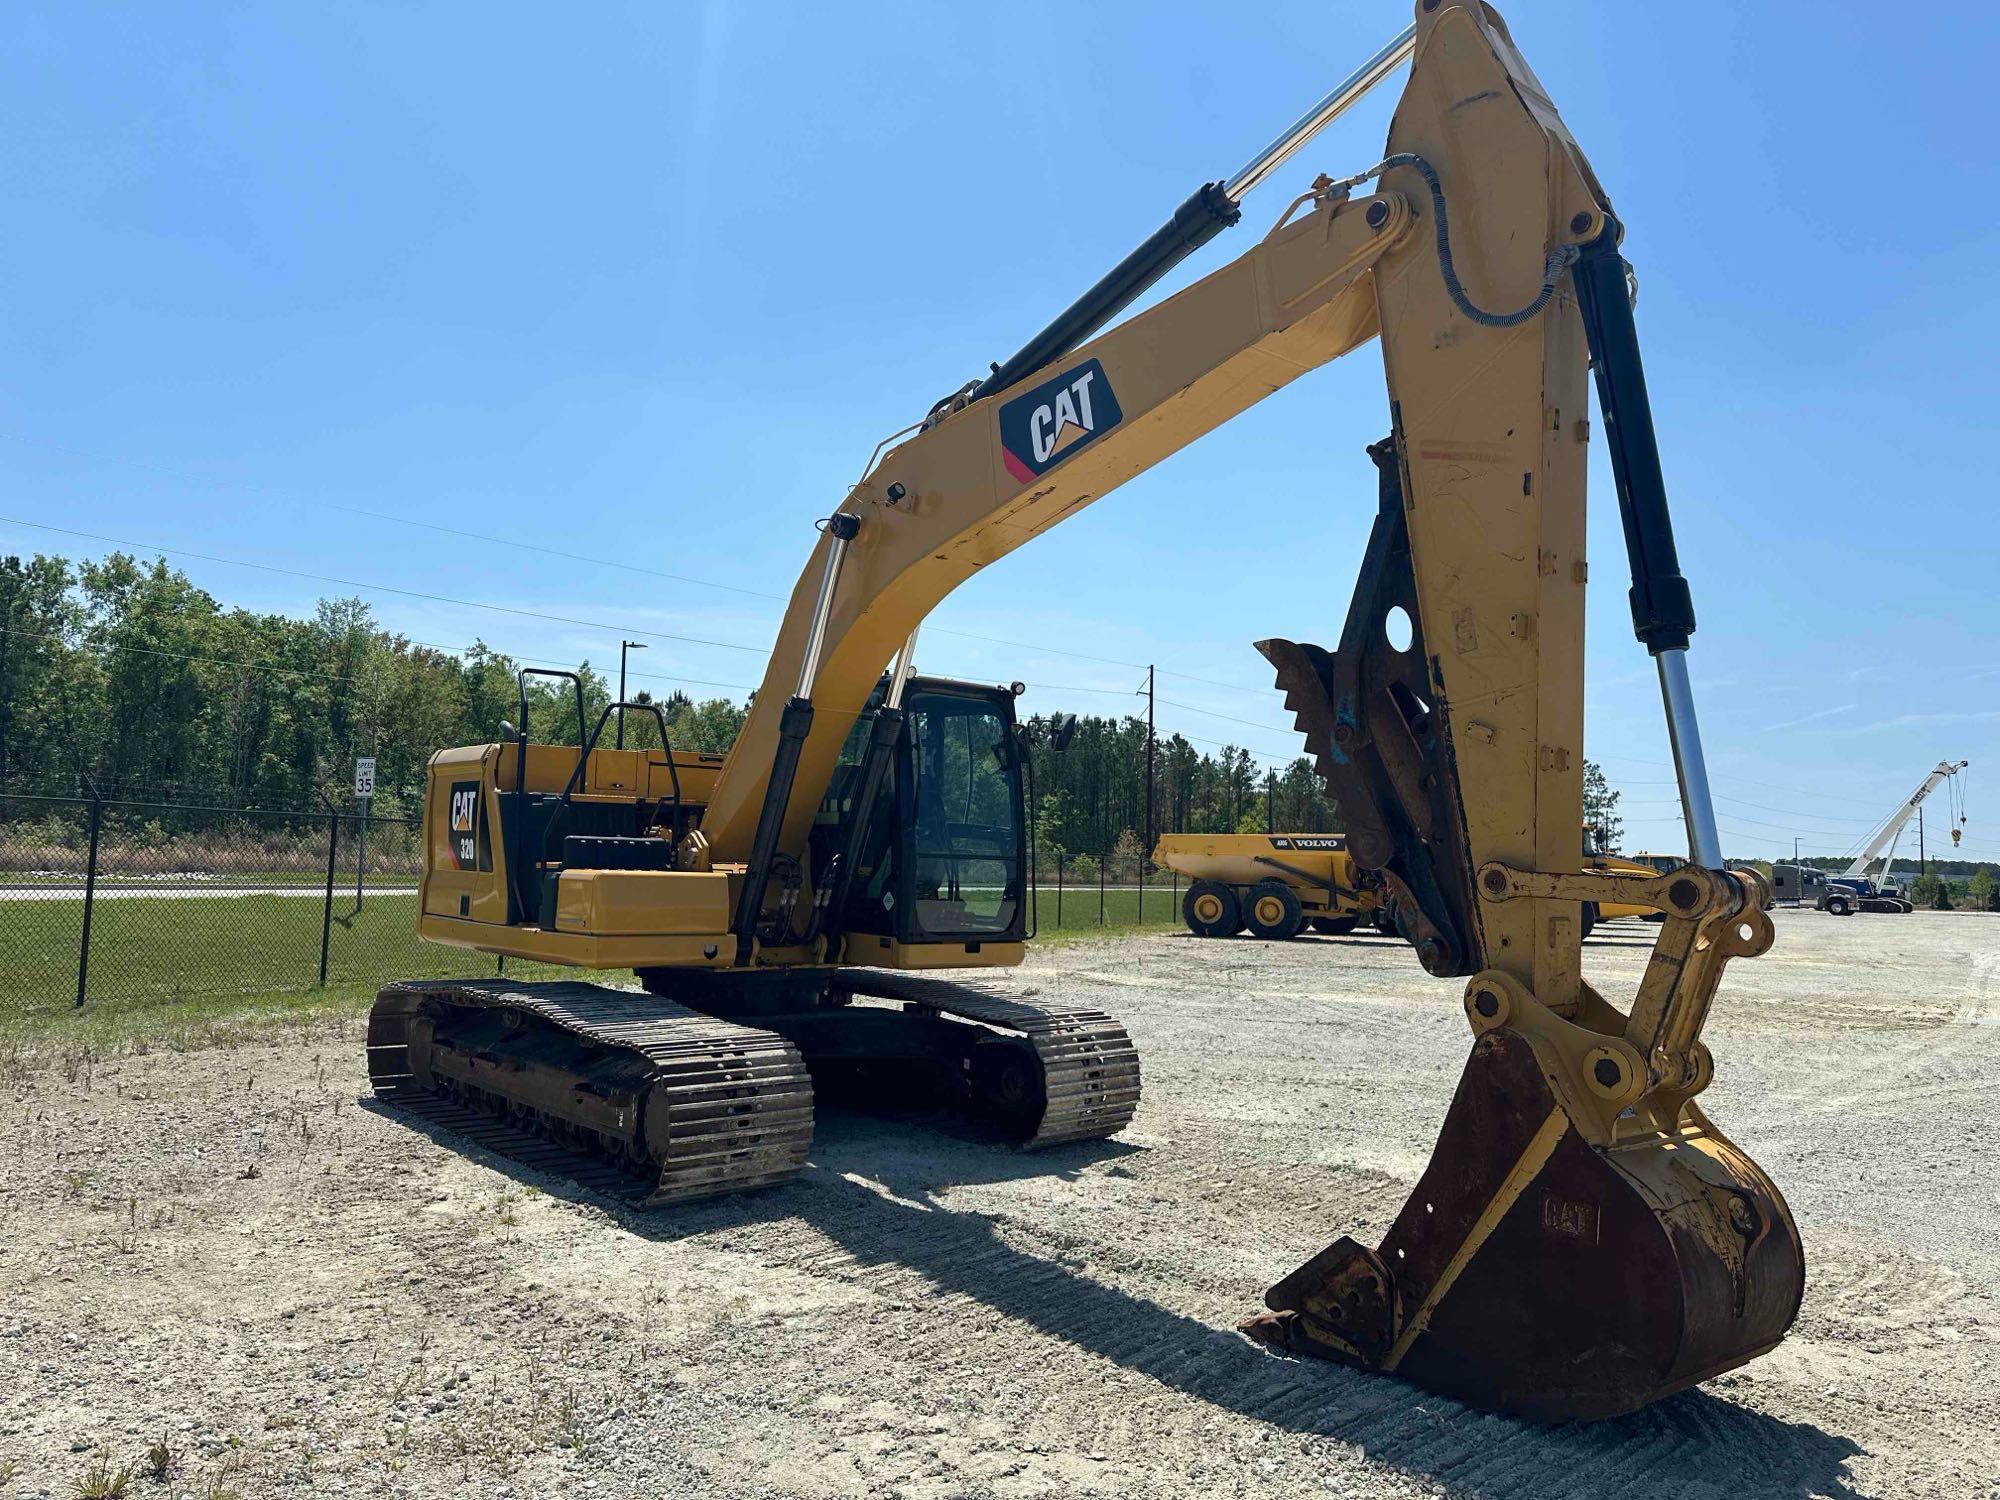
column 963, row 868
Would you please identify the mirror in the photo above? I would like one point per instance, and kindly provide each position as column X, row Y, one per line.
column 1061, row 728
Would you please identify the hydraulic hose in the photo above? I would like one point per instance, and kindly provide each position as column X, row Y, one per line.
column 1558, row 259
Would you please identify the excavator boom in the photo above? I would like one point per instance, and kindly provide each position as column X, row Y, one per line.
column 1584, row 1239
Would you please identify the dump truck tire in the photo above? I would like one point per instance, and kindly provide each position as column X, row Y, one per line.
column 1273, row 911
column 1335, row 926
column 1589, row 917
column 1211, row 910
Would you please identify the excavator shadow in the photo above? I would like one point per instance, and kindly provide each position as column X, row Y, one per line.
column 870, row 1143
column 874, row 1197
column 886, row 1212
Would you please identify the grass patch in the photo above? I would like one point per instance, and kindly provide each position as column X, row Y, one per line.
column 1080, row 937
column 73, row 1039
column 187, row 972
column 193, row 948
column 1121, row 913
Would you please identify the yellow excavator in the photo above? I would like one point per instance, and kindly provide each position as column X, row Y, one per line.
column 1583, row 1240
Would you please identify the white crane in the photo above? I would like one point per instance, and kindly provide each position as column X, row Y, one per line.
column 1886, row 837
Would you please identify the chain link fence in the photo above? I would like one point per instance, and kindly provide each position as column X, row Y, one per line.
column 1100, row 891
column 105, row 899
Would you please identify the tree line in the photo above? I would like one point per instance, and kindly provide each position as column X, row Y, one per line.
column 122, row 674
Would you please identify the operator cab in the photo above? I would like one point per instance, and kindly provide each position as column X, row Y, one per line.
column 944, row 859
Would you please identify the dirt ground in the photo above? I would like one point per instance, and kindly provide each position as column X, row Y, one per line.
column 232, row 1251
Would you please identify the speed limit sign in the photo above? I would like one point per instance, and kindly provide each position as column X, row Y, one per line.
column 364, row 776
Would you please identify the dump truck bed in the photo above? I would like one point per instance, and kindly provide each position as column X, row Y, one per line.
column 1298, row 859
column 1275, row 884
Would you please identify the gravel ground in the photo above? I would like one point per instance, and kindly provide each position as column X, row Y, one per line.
column 232, row 1252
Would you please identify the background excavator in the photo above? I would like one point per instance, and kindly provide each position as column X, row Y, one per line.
column 1583, row 1239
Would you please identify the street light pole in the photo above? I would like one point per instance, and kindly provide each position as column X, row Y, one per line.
column 623, row 647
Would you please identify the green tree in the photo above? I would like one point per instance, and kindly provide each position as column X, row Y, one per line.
column 1983, row 891
column 42, row 677
column 1941, row 900
column 1930, row 890
column 1600, row 806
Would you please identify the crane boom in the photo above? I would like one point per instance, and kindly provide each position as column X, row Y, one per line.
column 1885, row 838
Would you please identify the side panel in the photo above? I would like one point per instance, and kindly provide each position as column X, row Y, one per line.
column 464, row 872
column 631, row 903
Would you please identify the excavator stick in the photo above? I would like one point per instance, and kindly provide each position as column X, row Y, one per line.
column 1583, row 1241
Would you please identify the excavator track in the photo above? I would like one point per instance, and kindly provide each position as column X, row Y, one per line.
column 626, row 1094
column 1090, row 1069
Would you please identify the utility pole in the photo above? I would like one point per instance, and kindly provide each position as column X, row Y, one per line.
column 1271, row 802
column 623, row 647
column 1147, row 853
column 1922, row 868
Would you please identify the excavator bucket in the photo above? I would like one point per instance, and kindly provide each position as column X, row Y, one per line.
column 1534, row 1273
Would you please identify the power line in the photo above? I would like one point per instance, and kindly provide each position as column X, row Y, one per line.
column 214, row 661
column 264, row 668
column 245, row 665
column 386, row 588
column 709, row 583
column 1714, row 775
column 732, row 645
column 1211, row 713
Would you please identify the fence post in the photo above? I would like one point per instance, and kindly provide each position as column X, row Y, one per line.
column 89, row 894
column 1061, row 857
column 1100, row 889
column 326, row 912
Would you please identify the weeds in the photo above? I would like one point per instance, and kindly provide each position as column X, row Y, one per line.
column 127, row 1242
column 162, row 1460
column 102, row 1482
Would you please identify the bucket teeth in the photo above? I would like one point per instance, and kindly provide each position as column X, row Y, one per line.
column 1304, row 672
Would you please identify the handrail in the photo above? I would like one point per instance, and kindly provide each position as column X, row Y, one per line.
column 575, row 782
column 521, row 725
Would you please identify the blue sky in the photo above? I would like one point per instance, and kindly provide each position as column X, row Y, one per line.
column 647, row 283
